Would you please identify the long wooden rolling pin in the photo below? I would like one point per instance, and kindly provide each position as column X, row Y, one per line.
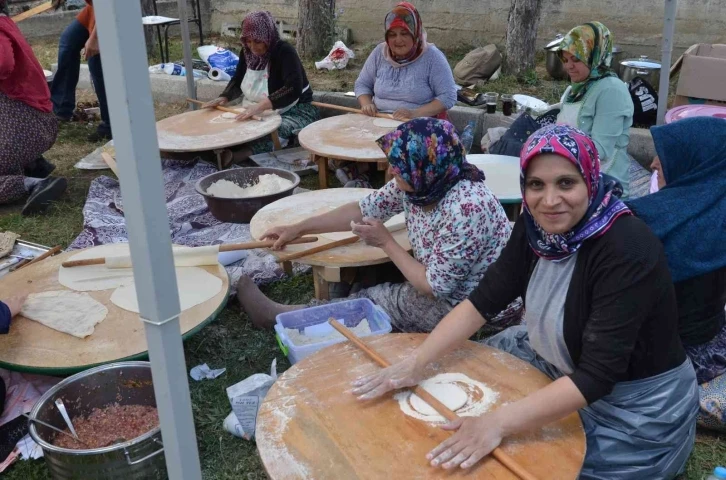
column 44, row 7
column 354, row 110
column 497, row 453
column 318, row 249
column 225, row 109
column 230, row 247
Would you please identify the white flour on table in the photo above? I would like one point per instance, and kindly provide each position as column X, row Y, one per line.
column 267, row 184
column 298, row 338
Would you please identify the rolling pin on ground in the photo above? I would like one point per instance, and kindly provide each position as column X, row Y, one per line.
column 185, row 256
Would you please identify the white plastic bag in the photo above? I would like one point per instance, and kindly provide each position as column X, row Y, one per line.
column 217, row 57
column 337, row 59
column 246, row 398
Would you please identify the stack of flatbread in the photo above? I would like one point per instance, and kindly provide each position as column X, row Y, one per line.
column 7, row 242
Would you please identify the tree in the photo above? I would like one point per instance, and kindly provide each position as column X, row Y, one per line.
column 521, row 42
column 315, row 27
column 147, row 9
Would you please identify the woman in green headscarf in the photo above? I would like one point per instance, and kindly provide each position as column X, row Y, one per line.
column 599, row 103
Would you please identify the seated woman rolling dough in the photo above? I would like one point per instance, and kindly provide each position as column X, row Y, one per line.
column 599, row 103
column 28, row 127
column 405, row 75
column 687, row 215
column 455, row 225
column 269, row 76
column 601, row 321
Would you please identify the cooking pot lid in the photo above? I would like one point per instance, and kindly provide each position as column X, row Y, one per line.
column 555, row 43
column 641, row 63
column 617, row 49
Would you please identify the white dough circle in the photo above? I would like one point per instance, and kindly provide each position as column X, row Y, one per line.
column 449, row 394
column 386, row 123
column 195, row 286
column 96, row 277
column 229, row 115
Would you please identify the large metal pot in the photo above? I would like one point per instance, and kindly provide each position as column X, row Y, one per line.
column 125, row 383
column 618, row 54
column 643, row 67
column 555, row 67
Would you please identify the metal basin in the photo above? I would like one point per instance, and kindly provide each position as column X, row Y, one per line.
column 241, row 210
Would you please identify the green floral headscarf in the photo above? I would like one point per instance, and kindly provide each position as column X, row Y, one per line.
column 592, row 44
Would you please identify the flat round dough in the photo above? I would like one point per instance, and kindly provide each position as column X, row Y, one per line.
column 394, row 224
column 386, row 123
column 195, row 285
column 229, row 115
column 96, row 277
column 68, row 312
column 449, row 394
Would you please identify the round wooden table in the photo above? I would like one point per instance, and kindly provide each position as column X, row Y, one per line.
column 502, row 178
column 207, row 129
column 32, row 347
column 344, row 137
column 311, row 426
column 327, row 266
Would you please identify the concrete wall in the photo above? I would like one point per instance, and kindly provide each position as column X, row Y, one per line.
column 637, row 25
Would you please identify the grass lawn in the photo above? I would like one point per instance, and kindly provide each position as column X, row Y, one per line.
column 231, row 341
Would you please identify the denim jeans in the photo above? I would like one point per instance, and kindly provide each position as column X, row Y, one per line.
column 63, row 89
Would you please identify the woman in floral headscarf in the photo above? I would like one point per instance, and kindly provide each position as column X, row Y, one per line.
column 269, row 76
column 600, row 321
column 455, row 225
column 599, row 103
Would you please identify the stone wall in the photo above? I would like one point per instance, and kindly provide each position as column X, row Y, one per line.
column 637, row 25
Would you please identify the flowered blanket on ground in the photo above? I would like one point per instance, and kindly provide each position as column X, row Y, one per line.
column 190, row 221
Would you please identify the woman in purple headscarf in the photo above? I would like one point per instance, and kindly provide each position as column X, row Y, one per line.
column 601, row 322
column 269, row 76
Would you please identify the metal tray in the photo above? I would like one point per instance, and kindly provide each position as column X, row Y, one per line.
column 22, row 249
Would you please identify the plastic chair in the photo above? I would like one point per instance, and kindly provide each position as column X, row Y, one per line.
column 166, row 22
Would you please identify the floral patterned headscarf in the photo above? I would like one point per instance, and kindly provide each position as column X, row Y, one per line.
column 429, row 156
column 405, row 15
column 259, row 26
column 604, row 204
column 592, row 44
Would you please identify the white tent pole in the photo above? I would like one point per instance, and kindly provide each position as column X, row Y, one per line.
column 669, row 28
column 131, row 108
column 187, row 47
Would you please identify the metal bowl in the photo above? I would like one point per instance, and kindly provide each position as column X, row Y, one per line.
column 241, row 210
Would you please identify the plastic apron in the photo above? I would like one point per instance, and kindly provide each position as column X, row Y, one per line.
column 255, row 89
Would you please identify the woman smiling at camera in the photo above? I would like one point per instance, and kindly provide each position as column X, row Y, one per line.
column 601, row 321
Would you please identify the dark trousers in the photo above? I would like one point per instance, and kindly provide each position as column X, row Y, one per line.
column 63, row 89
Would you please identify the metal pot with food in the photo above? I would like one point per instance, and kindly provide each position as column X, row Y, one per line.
column 115, row 432
column 555, row 67
column 643, row 67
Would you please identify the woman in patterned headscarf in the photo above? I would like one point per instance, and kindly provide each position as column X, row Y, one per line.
column 599, row 103
column 269, row 76
column 455, row 225
column 600, row 321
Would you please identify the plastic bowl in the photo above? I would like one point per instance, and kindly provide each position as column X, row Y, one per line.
column 241, row 210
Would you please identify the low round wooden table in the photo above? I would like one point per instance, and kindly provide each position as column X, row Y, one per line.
column 207, row 129
column 32, row 347
column 331, row 265
column 344, row 137
column 311, row 426
column 502, row 178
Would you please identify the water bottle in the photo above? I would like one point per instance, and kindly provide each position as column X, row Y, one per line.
column 174, row 69
column 719, row 473
column 467, row 137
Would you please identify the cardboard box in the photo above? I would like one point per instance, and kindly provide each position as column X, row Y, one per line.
column 703, row 76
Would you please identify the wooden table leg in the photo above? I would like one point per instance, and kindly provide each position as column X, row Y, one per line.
column 218, row 153
column 287, row 268
column 322, row 170
column 322, row 291
column 276, row 141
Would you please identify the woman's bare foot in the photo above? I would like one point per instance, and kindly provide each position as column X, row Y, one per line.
column 261, row 310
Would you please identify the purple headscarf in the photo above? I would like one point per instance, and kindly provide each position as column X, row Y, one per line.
column 261, row 27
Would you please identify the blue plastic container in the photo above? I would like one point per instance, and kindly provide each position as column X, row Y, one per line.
column 349, row 312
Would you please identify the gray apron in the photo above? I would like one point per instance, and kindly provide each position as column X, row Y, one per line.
column 643, row 428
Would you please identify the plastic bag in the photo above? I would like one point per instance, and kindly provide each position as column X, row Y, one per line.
column 246, row 398
column 337, row 59
column 219, row 58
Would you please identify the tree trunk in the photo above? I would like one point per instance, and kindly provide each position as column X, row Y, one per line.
column 522, row 36
column 315, row 27
column 147, row 8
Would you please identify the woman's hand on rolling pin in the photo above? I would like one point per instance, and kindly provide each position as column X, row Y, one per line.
column 282, row 235
column 403, row 114
column 15, row 304
column 369, row 110
column 475, row 438
column 217, row 102
column 372, row 232
column 405, row 373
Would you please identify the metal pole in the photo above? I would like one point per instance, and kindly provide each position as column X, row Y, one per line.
column 132, row 116
column 669, row 28
column 186, row 45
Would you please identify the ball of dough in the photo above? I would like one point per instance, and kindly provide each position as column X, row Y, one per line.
column 449, row 394
column 229, row 115
column 385, row 123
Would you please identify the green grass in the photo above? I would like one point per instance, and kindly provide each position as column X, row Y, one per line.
column 230, row 341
